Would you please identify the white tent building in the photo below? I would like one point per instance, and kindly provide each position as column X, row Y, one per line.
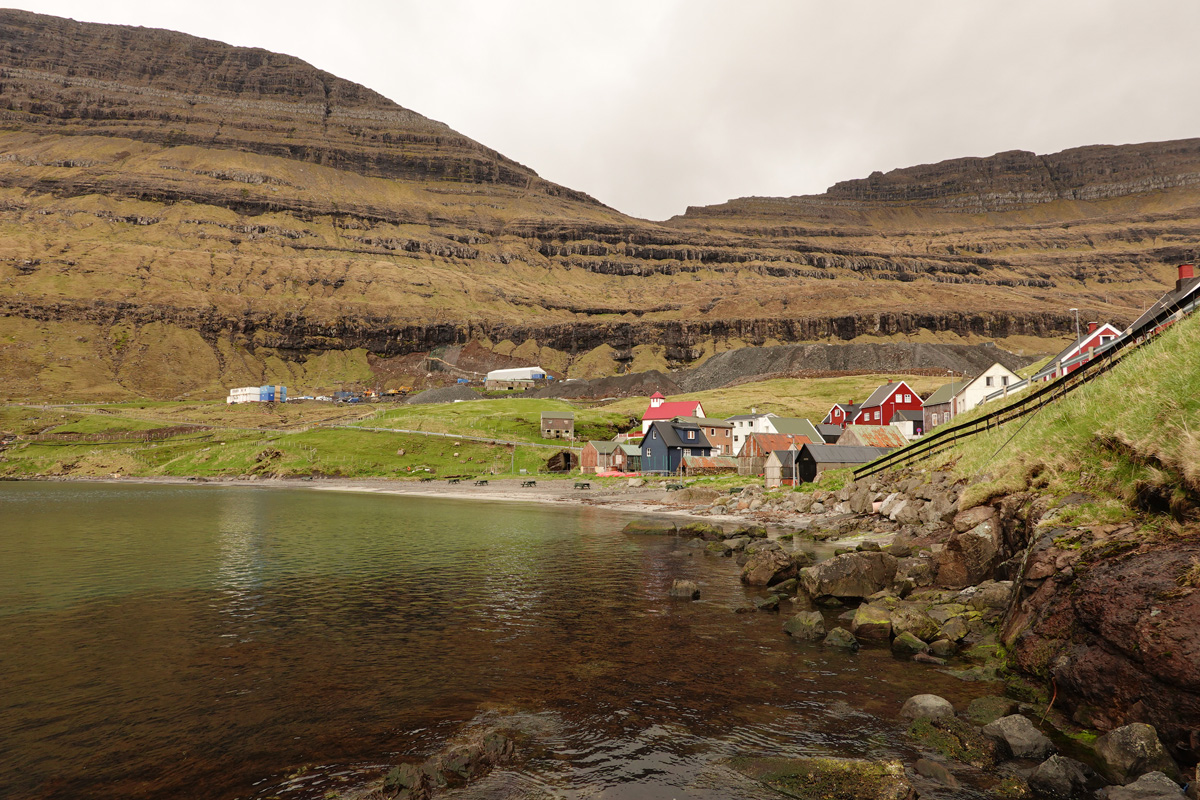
column 517, row 378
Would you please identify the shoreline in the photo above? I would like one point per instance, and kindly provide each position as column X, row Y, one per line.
column 641, row 500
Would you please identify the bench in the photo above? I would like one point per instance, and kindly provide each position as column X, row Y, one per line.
column 453, row 480
column 736, row 489
column 426, row 479
column 582, row 485
column 528, row 483
column 673, row 487
column 481, row 482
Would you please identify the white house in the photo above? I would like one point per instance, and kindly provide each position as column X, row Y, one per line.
column 993, row 379
column 744, row 425
column 516, row 378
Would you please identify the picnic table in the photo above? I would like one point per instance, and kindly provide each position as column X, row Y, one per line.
column 453, row 480
column 528, row 483
column 671, row 487
column 736, row 489
column 582, row 485
column 481, row 482
column 426, row 479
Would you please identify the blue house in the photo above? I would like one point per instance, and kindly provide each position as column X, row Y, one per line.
column 666, row 443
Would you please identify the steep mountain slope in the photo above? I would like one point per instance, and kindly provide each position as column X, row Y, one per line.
column 177, row 214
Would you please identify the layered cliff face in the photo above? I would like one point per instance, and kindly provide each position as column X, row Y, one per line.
column 276, row 222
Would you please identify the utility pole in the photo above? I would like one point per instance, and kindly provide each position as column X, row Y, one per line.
column 1076, row 310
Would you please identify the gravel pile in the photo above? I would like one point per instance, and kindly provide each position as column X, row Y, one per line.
column 447, row 394
column 635, row 384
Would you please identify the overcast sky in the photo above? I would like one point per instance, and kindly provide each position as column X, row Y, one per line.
column 652, row 106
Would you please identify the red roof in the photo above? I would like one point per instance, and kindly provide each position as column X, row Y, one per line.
column 679, row 408
column 659, row 395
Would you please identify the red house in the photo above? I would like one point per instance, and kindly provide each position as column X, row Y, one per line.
column 884, row 402
column 660, row 409
column 841, row 414
column 1096, row 336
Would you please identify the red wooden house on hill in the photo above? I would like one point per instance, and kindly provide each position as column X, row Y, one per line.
column 660, row 409
column 884, row 402
column 841, row 414
column 1096, row 336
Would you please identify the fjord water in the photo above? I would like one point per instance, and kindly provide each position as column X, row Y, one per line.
column 221, row 642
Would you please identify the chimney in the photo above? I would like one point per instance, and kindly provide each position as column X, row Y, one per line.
column 1186, row 273
column 1092, row 327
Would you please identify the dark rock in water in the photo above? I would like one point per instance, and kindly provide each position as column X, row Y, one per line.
column 1151, row 786
column 654, row 527
column 768, row 603
column 872, row 622
column 753, row 531
column 1020, row 736
column 1062, row 778
column 807, row 625
column 942, row 648
column 456, row 765
column 911, row 618
column 684, row 590
column 1134, row 750
column 767, row 568
column 909, row 645
column 829, row 601
column 704, row 530
column 956, row 739
column 840, row 637
column 869, row 547
column 925, row 658
column 985, row 710
column 825, row 778
column 786, row 587
column 717, row 548
column 935, row 772
column 926, row 705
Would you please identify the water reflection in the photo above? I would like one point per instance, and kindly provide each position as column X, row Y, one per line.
column 214, row 642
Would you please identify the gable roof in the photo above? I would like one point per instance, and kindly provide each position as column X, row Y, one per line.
column 672, row 434
column 909, row 415
column 984, row 374
column 1185, row 289
column 631, row 449
column 736, row 417
column 1107, row 329
column 775, row 441
column 944, row 394
column 883, row 392
column 710, row 462
column 828, row 431
column 702, row 422
column 844, row 454
column 604, row 447
column 797, row 426
column 558, row 415
column 872, row 436
column 676, row 408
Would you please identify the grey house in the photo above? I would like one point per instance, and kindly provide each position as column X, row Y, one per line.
column 558, row 425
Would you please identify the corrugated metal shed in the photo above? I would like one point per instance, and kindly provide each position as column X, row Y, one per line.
column 872, row 436
column 709, row 463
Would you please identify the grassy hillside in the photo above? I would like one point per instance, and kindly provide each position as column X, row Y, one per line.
column 1130, row 440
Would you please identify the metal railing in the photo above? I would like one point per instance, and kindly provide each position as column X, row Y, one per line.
column 1096, row 363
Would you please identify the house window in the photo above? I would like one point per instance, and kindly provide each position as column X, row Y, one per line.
column 988, row 380
column 691, row 435
column 908, row 398
column 1004, row 380
column 876, row 415
column 687, row 451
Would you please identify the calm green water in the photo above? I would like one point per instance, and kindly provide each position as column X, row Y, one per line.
column 219, row 642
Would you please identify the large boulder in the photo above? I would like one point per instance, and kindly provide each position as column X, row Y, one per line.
column 1062, row 778
column 768, row 567
column 1151, row 786
column 926, row 705
column 971, row 556
column 1022, row 738
column 807, row 626
column 704, row 530
column 850, row 575
column 1133, row 750
column 906, row 644
column 872, row 621
column 840, row 637
column 863, row 500
column 973, row 517
column 911, row 618
column 888, row 507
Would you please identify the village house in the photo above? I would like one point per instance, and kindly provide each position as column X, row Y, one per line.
column 745, row 425
column 780, row 469
column 752, row 458
column 910, row 422
column 937, row 407
column 841, row 414
column 995, row 378
column 1097, row 336
column 558, row 425
column 884, row 402
column 872, row 436
column 718, row 432
column 813, row 459
column 666, row 443
column 631, row 457
column 660, row 409
column 830, row 433
column 601, row 457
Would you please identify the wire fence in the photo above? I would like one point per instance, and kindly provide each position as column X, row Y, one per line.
column 1087, row 367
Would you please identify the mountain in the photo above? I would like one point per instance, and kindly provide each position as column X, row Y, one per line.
column 180, row 215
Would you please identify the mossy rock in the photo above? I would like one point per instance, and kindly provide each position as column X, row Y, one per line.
column 956, row 739
column 983, row 710
column 651, row 527
column 828, row 778
column 704, row 530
